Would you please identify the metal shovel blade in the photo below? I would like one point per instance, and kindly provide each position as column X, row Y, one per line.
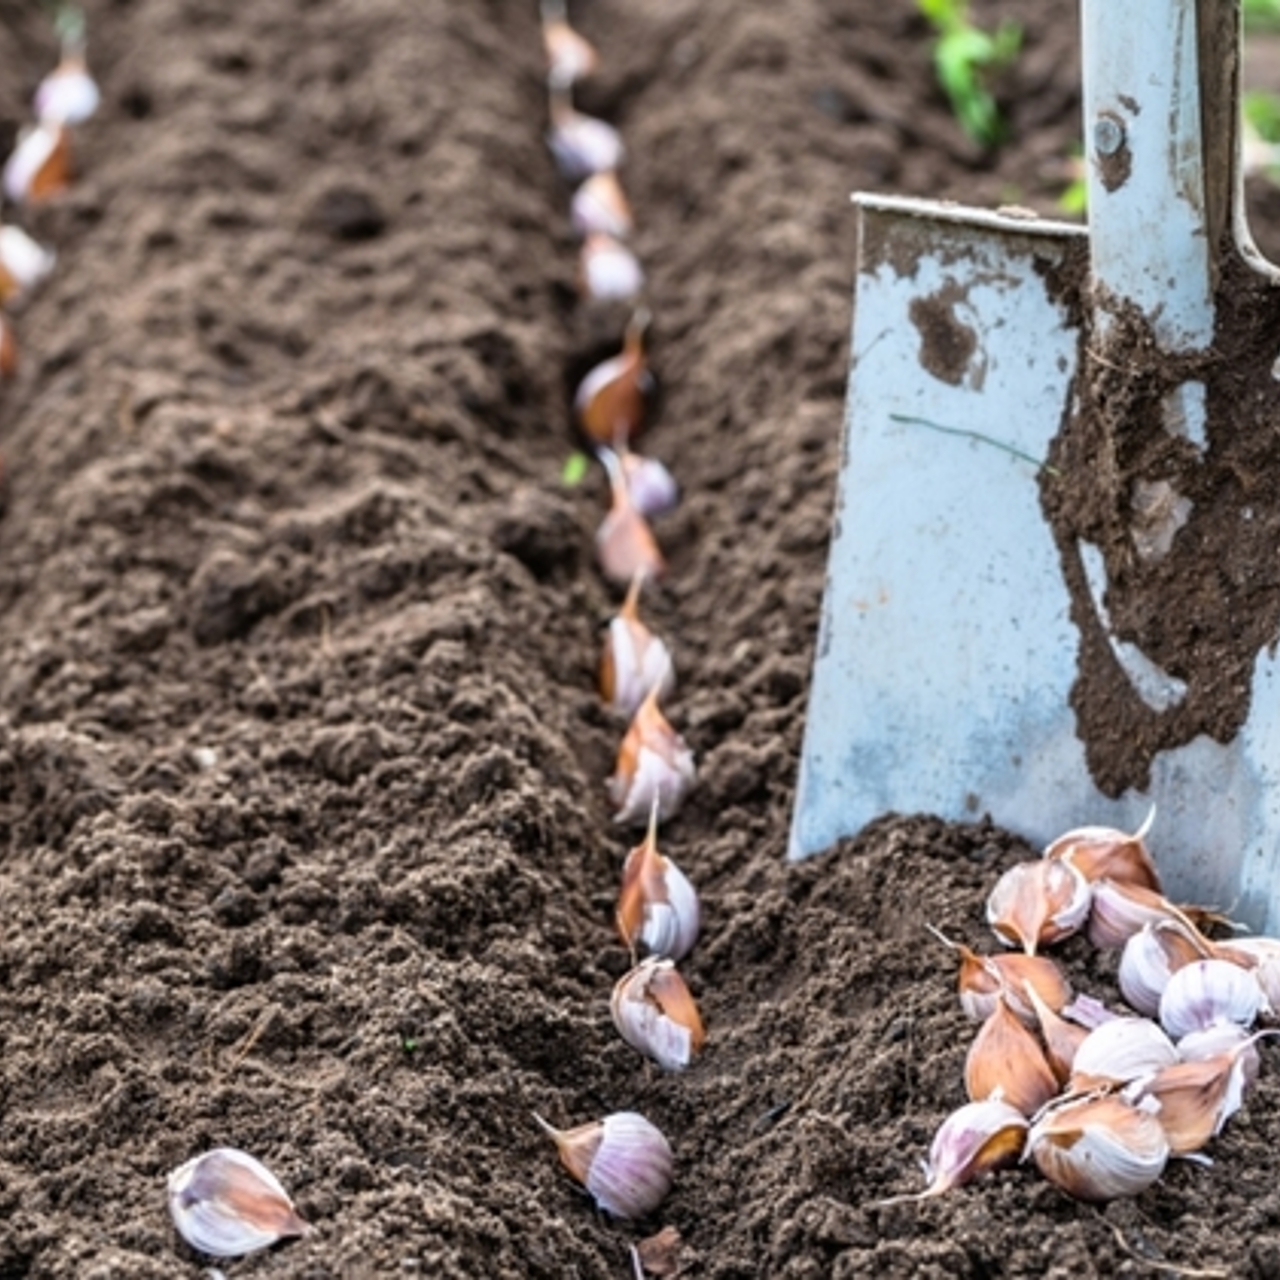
column 950, row 638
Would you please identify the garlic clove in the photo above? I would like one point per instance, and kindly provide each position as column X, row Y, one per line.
column 607, row 270
column 655, row 767
column 1098, row 1148
column 656, row 1014
column 658, row 908
column 1196, row 1098
column 570, row 56
column 40, row 165
column 623, row 1161
column 1263, row 956
column 1036, row 903
column 1120, row 910
column 1103, row 852
column 581, row 145
column 611, row 401
column 1088, row 1012
column 652, row 487
column 625, row 545
column 1006, row 1062
column 1208, row 991
column 23, row 264
column 1151, row 957
column 973, row 1140
column 68, row 94
column 225, row 1203
column 1118, row 1052
column 600, row 205
column 633, row 660
column 8, row 349
column 1062, row 1039
column 1222, row 1037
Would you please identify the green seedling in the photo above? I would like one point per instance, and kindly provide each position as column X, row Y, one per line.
column 575, row 469
column 965, row 59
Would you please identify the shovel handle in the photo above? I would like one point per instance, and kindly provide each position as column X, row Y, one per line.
column 1161, row 103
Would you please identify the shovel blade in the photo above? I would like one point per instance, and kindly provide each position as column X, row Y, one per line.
column 947, row 651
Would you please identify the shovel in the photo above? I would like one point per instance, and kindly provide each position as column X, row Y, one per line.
column 1053, row 592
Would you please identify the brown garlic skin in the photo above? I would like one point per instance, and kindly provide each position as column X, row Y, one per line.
column 612, row 400
column 1104, row 852
column 658, row 908
column 1006, row 1062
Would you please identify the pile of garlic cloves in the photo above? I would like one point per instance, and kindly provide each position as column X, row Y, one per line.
column 39, row 168
column 623, row 1160
column 1099, row 1099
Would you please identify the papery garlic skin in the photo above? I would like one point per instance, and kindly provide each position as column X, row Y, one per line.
column 1100, row 852
column 1209, row 991
column 1120, row 910
column 67, row 95
column 624, row 1161
column 655, row 1014
column 1222, row 1037
column 226, row 1203
column 1120, row 1051
column 1099, row 1148
column 1265, row 954
column 23, row 263
column 1196, row 1099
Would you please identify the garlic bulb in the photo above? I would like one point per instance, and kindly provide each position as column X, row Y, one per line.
column 23, row 264
column 634, row 660
column 1035, row 903
column 1208, row 991
column 625, row 545
column 1120, row 1051
column 623, row 1161
column 68, row 94
column 611, row 401
column 40, row 165
column 600, row 204
column 1152, row 956
column 1006, row 1062
column 1099, row 1147
column 656, row 1014
column 607, row 270
column 654, row 770
column 658, row 908
column 972, row 1141
column 581, row 145
column 1103, row 852
column 226, row 1203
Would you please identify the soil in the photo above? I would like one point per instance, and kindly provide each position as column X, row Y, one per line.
column 306, row 848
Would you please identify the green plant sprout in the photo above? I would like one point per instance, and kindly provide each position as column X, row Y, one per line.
column 575, row 468
column 965, row 58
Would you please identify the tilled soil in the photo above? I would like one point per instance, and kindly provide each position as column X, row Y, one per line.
column 305, row 842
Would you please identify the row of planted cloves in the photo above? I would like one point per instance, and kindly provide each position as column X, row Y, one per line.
column 1100, row 1100
column 624, row 1160
column 39, row 168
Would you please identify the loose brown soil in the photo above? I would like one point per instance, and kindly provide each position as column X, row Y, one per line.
column 305, row 842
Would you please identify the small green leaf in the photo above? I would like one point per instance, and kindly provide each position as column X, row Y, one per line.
column 575, row 469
